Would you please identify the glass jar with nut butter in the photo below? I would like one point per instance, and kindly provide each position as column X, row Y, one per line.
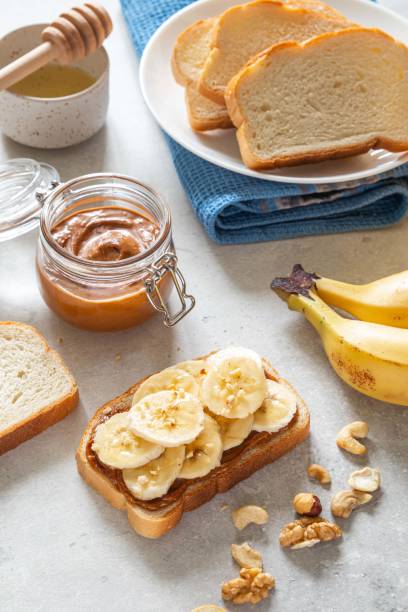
column 105, row 258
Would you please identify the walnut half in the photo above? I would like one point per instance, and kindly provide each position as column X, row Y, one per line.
column 308, row 532
column 252, row 586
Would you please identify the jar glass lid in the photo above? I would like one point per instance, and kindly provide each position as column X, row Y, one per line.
column 20, row 180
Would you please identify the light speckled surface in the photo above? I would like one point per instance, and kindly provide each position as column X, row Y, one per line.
column 62, row 548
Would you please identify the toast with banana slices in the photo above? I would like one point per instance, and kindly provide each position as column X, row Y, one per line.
column 174, row 440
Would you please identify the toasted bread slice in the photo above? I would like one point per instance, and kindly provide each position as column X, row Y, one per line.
column 245, row 30
column 336, row 95
column 189, row 55
column 204, row 114
column 248, row 458
column 36, row 388
column 191, row 51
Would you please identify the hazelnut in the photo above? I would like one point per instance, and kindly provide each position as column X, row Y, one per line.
column 307, row 504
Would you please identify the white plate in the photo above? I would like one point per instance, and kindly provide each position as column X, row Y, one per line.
column 165, row 99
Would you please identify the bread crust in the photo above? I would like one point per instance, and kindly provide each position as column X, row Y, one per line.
column 300, row 6
column 238, row 117
column 154, row 524
column 41, row 420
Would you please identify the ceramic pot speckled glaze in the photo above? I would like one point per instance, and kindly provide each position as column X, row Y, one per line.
column 53, row 123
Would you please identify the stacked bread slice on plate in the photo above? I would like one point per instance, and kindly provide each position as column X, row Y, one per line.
column 299, row 81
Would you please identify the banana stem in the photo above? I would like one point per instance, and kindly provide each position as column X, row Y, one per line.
column 319, row 314
column 298, row 290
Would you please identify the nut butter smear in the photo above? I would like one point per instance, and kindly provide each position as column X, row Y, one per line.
column 105, row 234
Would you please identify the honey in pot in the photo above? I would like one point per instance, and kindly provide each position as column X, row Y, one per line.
column 53, row 81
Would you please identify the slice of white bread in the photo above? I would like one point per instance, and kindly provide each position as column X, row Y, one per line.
column 36, row 388
column 204, row 114
column 191, row 51
column 237, row 464
column 336, row 95
column 245, row 30
column 189, row 55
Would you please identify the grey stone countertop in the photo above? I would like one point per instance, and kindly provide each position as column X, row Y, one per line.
column 62, row 547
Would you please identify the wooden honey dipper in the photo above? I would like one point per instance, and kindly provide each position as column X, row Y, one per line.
column 73, row 35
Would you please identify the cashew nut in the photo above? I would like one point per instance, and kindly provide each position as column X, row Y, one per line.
column 344, row 502
column 367, row 479
column 249, row 514
column 319, row 473
column 246, row 556
column 209, row 608
column 346, row 437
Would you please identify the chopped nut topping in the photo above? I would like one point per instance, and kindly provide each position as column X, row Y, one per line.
column 311, row 530
column 346, row 438
column 319, row 473
column 246, row 556
column 366, row 479
column 344, row 502
column 307, row 504
column 249, row 514
column 251, row 587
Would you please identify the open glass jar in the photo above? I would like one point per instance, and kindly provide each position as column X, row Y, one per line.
column 105, row 295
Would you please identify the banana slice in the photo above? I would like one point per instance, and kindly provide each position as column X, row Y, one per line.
column 166, row 418
column 155, row 479
column 277, row 410
column 235, row 385
column 204, row 453
column 235, row 351
column 171, row 379
column 118, row 447
column 196, row 367
column 234, row 431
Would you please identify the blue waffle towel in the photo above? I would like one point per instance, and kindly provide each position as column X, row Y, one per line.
column 235, row 209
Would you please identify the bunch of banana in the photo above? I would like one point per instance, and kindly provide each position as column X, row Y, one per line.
column 184, row 418
column 370, row 354
column 384, row 301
